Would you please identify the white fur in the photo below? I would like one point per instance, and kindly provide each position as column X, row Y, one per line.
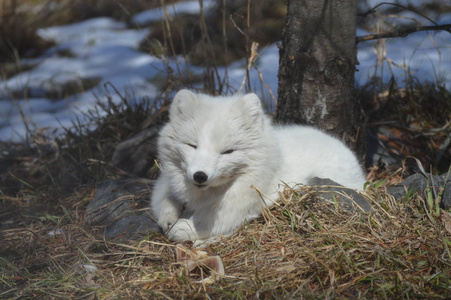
column 201, row 130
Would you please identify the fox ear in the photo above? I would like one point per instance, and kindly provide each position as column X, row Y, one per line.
column 182, row 103
column 253, row 107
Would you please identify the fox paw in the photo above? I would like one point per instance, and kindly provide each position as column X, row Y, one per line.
column 183, row 230
column 167, row 219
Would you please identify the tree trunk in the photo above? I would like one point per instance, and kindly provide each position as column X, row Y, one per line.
column 317, row 65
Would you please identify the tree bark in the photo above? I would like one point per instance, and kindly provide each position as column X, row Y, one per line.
column 317, row 64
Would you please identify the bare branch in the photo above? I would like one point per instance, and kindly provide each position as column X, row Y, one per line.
column 402, row 33
column 372, row 10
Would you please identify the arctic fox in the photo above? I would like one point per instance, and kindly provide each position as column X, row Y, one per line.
column 214, row 149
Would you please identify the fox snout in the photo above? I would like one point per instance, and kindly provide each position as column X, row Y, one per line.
column 200, row 177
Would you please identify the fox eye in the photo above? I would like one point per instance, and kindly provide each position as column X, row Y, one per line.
column 192, row 146
column 228, row 151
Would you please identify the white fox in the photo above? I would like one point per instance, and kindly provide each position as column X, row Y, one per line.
column 214, row 149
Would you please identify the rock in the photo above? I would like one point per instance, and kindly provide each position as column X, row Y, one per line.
column 419, row 183
column 335, row 191
column 137, row 154
column 121, row 207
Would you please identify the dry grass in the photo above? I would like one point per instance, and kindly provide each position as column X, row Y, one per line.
column 304, row 247
column 418, row 119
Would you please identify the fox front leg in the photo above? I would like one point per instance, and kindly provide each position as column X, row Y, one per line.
column 166, row 209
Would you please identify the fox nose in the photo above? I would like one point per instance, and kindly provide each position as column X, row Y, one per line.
column 200, row 177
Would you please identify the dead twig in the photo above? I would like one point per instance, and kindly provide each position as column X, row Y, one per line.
column 402, row 33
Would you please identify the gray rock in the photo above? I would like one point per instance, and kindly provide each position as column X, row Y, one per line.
column 418, row 183
column 137, row 154
column 121, row 208
column 335, row 191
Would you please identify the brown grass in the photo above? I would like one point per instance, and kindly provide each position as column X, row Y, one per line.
column 304, row 247
column 417, row 117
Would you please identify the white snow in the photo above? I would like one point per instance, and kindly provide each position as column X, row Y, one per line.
column 425, row 55
column 156, row 14
column 105, row 50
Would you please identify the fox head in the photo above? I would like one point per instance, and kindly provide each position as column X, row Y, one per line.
column 213, row 140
